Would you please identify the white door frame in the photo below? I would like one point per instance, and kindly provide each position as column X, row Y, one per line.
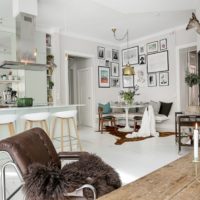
column 81, row 70
column 89, row 56
column 178, row 87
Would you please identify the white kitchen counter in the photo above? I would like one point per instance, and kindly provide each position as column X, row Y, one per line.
column 20, row 111
column 15, row 108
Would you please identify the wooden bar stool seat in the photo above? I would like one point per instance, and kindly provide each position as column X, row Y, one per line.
column 8, row 120
column 37, row 118
column 66, row 117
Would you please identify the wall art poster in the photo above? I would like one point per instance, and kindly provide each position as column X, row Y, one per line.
column 104, row 77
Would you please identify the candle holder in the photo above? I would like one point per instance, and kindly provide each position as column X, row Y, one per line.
column 196, row 166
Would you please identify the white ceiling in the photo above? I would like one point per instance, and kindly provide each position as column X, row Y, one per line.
column 95, row 18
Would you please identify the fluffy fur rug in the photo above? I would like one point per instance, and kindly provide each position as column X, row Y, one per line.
column 52, row 183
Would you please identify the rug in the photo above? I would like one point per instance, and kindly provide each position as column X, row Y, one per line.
column 122, row 136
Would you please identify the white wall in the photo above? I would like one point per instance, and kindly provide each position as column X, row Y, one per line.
column 89, row 49
column 165, row 93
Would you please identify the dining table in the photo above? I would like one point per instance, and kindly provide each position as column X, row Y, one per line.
column 126, row 107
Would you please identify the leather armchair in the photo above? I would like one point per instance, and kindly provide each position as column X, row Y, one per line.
column 33, row 146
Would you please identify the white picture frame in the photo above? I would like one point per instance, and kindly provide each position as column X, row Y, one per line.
column 152, row 80
column 142, row 49
column 163, row 44
column 128, row 81
column 130, row 55
column 158, row 62
column 114, row 69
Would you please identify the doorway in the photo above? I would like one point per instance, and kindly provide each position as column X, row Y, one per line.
column 187, row 63
column 81, row 87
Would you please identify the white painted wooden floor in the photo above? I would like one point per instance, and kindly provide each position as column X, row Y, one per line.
column 132, row 160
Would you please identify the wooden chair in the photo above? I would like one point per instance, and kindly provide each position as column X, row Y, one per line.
column 136, row 120
column 104, row 119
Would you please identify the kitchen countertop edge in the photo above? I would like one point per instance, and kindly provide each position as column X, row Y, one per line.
column 40, row 107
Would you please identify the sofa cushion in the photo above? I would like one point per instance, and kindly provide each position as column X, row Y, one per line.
column 161, row 118
column 106, row 108
column 156, row 106
column 165, row 108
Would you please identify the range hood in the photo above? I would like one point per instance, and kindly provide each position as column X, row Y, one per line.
column 26, row 51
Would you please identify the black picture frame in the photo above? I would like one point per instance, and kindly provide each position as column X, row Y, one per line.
column 164, row 82
column 154, row 82
column 152, row 51
column 160, row 42
column 115, row 55
column 133, row 61
column 142, row 62
column 159, row 67
column 100, row 80
column 101, row 52
column 125, row 81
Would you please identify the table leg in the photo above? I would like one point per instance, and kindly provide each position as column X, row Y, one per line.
column 127, row 128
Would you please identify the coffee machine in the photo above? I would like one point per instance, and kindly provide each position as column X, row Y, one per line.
column 9, row 96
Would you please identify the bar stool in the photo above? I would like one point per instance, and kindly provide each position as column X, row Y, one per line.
column 66, row 116
column 8, row 120
column 39, row 118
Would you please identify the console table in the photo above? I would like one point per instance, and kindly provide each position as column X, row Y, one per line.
column 174, row 181
column 185, row 120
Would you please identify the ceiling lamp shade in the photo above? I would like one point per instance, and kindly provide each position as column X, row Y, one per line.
column 128, row 70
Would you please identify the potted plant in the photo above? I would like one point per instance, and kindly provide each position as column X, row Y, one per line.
column 128, row 96
column 51, row 84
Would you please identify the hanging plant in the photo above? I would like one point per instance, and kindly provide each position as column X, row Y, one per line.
column 192, row 79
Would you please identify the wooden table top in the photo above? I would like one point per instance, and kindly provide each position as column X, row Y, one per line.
column 175, row 181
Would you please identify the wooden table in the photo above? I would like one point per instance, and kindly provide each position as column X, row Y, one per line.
column 175, row 181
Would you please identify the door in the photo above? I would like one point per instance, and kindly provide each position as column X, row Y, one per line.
column 85, row 96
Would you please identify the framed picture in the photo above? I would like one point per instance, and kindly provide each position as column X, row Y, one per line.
column 164, row 78
column 128, row 81
column 114, row 82
column 100, row 52
column 163, row 44
column 142, row 49
column 152, row 80
column 130, row 56
column 115, row 55
column 142, row 59
column 104, row 77
column 152, row 47
column 158, row 62
column 115, row 69
column 141, row 76
column 107, row 63
column 108, row 54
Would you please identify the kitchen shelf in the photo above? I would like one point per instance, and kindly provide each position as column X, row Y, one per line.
column 9, row 81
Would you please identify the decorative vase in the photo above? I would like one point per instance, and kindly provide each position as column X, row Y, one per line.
column 128, row 101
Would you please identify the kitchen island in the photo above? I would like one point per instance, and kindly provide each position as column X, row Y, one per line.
column 20, row 111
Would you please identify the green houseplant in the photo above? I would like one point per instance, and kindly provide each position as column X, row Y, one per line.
column 128, row 96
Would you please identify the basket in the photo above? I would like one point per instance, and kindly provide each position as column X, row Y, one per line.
column 24, row 102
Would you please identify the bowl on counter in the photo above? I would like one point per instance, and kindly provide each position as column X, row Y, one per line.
column 24, row 102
